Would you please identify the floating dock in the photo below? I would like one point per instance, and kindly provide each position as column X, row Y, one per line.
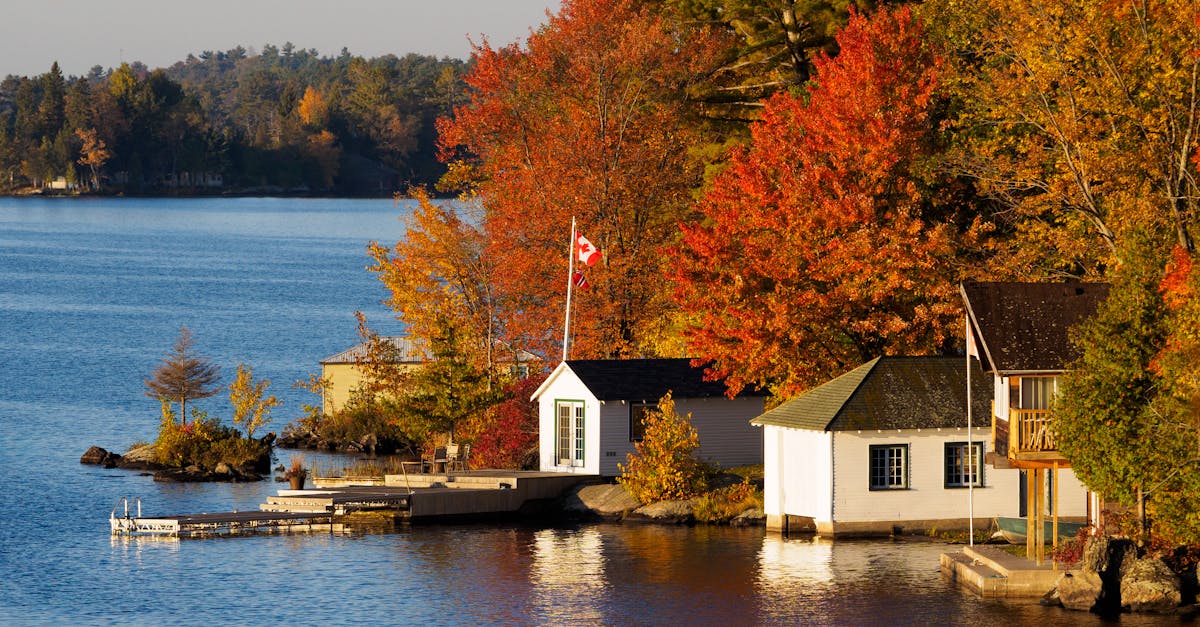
column 414, row 498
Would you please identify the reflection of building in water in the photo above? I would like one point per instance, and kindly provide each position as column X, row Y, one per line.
column 794, row 562
column 567, row 576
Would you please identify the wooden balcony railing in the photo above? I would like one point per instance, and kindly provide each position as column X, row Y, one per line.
column 1029, row 432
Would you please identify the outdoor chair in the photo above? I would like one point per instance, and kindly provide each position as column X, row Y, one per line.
column 461, row 460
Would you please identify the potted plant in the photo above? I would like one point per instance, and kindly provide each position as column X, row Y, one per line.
column 296, row 474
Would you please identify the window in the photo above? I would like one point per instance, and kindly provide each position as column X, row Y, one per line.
column 964, row 468
column 889, row 466
column 570, row 432
column 637, row 420
column 1038, row 392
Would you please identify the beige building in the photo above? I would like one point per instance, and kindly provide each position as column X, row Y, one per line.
column 343, row 374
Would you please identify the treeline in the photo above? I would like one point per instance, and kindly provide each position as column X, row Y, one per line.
column 285, row 120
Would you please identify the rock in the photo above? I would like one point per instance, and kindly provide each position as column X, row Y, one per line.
column 672, row 512
column 1079, row 590
column 605, row 500
column 139, row 458
column 223, row 469
column 750, row 518
column 368, row 443
column 97, row 456
column 1148, row 585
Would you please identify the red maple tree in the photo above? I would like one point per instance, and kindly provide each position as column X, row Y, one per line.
column 589, row 119
column 821, row 250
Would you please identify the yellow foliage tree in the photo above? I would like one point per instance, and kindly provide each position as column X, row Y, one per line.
column 251, row 405
column 1080, row 119
column 665, row 464
column 438, row 276
column 312, row 108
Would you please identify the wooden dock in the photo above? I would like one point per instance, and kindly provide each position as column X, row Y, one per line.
column 415, row 498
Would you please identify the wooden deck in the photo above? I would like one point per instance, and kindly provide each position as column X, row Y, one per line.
column 416, row 498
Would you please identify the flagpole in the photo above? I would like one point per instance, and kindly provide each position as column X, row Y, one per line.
column 970, row 447
column 570, row 272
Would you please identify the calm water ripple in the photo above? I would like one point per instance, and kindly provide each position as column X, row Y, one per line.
column 92, row 295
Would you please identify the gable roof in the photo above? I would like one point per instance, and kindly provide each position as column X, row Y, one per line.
column 641, row 379
column 417, row 352
column 1022, row 327
column 409, row 351
column 889, row 393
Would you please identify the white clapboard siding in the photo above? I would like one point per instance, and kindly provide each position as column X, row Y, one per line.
column 726, row 436
column 567, row 386
column 927, row 497
column 798, row 481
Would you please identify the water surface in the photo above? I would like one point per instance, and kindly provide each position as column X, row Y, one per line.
column 92, row 295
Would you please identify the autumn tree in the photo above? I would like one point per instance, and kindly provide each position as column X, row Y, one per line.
column 94, row 153
column 591, row 119
column 1079, row 120
column 1175, row 503
column 251, row 404
column 506, row 435
column 664, row 464
column 183, row 376
column 439, row 273
column 824, row 244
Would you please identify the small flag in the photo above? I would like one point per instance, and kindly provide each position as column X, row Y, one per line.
column 588, row 253
column 579, row 280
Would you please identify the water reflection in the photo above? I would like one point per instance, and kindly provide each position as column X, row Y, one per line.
column 567, row 576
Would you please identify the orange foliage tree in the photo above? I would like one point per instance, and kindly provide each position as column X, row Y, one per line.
column 439, row 275
column 824, row 246
column 589, row 119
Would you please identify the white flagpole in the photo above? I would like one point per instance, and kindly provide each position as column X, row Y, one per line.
column 970, row 445
column 570, row 280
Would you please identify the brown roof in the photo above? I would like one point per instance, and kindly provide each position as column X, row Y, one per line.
column 890, row 393
column 1023, row 327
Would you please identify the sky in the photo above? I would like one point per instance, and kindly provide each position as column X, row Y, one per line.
column 82, row 33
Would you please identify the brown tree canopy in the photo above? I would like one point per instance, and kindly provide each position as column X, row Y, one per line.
column 183, row 376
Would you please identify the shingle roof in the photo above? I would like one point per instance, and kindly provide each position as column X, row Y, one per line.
column 415, row 352
column 1022, row 327
column 889, row 393
column 646, row 379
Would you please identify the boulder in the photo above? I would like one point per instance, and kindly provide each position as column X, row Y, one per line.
column 1148, row 585
column 139, row 458
column 97, row 456
column 223, row 469
column 1079, row 590
column 750, row 518
column 670, row 512
column 610, row 500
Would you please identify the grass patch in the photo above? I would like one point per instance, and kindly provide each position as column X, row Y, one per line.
column 722, row 505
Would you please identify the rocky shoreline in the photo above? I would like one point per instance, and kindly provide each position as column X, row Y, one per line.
column 612, row 502
column 141, row 457
column 1111, row 579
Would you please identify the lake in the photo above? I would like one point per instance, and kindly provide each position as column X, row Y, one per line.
column 93, row 293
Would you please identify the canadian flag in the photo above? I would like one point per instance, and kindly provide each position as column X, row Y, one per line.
column 579, row 280
column 588, row 253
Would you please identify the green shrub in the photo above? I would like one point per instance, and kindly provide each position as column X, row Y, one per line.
column 665, row 466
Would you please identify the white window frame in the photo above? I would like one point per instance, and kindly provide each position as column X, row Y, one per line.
column 569, row 432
